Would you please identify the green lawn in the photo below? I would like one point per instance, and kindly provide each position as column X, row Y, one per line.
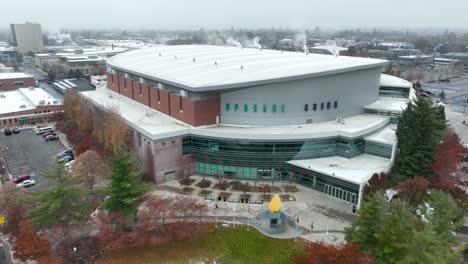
column 231, row 245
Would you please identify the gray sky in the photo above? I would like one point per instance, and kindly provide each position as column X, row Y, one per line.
column 193, row 14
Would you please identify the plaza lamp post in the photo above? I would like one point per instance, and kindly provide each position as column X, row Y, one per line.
column 297, row 222
column 76, row 256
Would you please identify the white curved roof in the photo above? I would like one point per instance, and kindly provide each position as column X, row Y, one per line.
column 205, row 67
column 393, row 81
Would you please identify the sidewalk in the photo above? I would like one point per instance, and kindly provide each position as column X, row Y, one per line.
column 329, row 216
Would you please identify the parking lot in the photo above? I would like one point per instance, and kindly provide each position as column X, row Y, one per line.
column 28, row 153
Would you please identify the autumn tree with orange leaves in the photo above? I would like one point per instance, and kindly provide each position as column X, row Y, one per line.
column 448, row 155
column 13, row 207
column 88, row 167
column 29, row 245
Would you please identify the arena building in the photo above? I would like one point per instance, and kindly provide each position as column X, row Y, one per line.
column 323, row 121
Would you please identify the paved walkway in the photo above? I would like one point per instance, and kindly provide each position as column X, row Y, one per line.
column 328, row 215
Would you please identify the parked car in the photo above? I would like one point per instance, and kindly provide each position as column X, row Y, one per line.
column 67, row 152
column 51, row 137
column 43, row 130
column 26, row 183
column 49, row 133
column 66, row 158
column 7, row 131
column 69, row 164
column 21, row 178
column 15, row 130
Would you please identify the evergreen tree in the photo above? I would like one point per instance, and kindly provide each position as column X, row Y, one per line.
column 125, row 186
column 78, row 74
column 364, row 229
column 446, row 217
column 395, row 230
column 71, row 74
column 62, row 205
column 424, row 247
column 397, row 235
column 420, row 130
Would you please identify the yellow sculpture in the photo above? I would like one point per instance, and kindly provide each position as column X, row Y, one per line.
column 2, row 220
column 275, row 204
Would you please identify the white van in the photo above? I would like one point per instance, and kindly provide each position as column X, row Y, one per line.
column 43, row 130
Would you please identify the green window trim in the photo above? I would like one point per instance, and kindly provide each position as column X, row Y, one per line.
column 255, row 108
column 273, row 108
column 236, row 107
column 227, row 107
column 246, row 107
column 283, row 108
column 264, row 108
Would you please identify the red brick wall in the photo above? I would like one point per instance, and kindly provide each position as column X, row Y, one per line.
column 126, row 88
column 164, row 106
column 113, row 86
column 194, row 112
column 166, row 157
column 206, row 111
column 8, row 84
column 142, row 98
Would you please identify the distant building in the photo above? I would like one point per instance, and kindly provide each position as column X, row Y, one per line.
column 416, row 60
column 7, row 54
column 13, row 80
column 460, row 56
column 27, row 106
column 88, row 60
column 27, row 37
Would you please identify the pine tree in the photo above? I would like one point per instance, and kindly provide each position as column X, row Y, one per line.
column 420, row 130
column 395, row 232
column 61, row 205
column 364, row 229
column 125, row 186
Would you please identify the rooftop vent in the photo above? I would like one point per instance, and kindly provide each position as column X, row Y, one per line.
column 23, row 106
column 242, row 67
column 42, row 102
column 175, row 57
column 31, row 88
column 55, row 102
column 216, row 63
column 194, row 60
column 2, row 96
column 160, row 54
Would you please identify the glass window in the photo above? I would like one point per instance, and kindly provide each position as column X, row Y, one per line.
column 335, row 104
column 306, row 107
column 328, row 105
column 273, row 108
column 246, row 108
column 227, row 107
column 314, row 107
column 264, row 108
column 236, row 107
column 322, row 106
column 283, row 108
column 255, row 108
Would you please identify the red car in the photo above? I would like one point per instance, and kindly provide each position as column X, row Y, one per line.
column 21, row 178
column 49, row 133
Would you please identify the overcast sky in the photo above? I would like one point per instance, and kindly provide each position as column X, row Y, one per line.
column 193, row 14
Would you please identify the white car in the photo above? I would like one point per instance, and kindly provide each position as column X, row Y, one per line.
column 69, row 164
column 26, row 183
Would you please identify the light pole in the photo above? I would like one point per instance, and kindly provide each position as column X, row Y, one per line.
column 297, row 222
column 76, row 257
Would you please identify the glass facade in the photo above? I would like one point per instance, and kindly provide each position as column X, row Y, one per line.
column 395, row 92
column 265, row 160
